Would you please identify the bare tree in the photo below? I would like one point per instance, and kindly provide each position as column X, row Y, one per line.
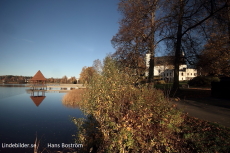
column 184, row 23
column 97, row 65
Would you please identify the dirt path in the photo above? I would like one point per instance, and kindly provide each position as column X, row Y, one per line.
column 208, row 108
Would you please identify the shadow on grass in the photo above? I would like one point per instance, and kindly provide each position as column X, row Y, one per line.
column 205, row 136
column 200, row 95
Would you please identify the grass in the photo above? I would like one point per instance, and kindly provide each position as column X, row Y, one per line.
column 169, row 85
column 183, row 93
column 203, row 136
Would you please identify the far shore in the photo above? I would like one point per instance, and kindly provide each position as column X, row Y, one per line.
column 29, row 83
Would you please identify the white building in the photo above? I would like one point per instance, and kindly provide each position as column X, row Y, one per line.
column 164, row 68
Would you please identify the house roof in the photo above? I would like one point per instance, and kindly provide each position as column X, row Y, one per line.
column 38, row 76
column 37, row 99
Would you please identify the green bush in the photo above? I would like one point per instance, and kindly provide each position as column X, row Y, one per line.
column 127, row 118
column 203, row 81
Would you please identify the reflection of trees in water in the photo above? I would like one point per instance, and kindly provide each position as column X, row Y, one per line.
column 88, row 134
column 72, row 98
column 70, row 104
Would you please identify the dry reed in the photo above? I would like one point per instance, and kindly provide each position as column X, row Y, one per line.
column 72, row 98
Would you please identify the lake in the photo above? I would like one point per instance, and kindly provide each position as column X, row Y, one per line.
column 22, row 117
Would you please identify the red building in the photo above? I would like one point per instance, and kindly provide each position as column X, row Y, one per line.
column 38, row 81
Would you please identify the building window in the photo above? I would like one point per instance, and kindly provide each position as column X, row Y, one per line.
column 191, row 73
column 188, row 74
column 182, row 78
column 167, row 74
column 181, row 74
column 170, row 74
column 194, row 74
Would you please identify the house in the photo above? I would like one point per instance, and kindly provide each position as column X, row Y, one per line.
column 164, row 68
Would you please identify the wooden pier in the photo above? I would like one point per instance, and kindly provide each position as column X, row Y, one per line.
column 38, row 85
column 61, row 88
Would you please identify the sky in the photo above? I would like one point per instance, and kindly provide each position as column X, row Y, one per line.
column 57, row 37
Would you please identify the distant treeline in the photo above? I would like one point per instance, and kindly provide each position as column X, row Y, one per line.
column 26, row 79
column 14, row 79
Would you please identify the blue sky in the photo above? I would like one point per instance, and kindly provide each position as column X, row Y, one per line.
column 58, row 37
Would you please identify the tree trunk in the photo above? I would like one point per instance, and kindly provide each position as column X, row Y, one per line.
column 228, row 14
column 151, row 69
column 152, row 51
column 178, row 47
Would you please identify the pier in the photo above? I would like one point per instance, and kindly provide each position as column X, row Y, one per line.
column 53, row 88
column 38, row 84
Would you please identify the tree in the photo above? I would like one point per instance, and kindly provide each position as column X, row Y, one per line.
column 86, row 74
column 215, row 58
column 52, row 80
column 97, row 66
column 73, row 80
column 184, row 24
column 64, row 79
column 136, row 35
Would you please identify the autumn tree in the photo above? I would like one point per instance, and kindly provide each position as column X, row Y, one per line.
column 72, row 80
column 52, row 80
column 215, row 58
column 64, row 79
column 136, row 36
column 86, row 74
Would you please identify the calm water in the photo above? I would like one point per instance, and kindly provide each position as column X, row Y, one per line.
column 21, row 119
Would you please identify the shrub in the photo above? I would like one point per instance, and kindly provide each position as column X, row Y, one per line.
column 125, row 118
column 203, row 81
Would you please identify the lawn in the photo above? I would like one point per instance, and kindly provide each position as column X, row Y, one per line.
column 199, row 135
column 203, row 136
column 169, row 85
column 183, row 93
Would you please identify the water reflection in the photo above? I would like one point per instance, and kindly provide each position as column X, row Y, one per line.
column 37, row 99
column 37, row 96
column 70, row 104
column 21, row 119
